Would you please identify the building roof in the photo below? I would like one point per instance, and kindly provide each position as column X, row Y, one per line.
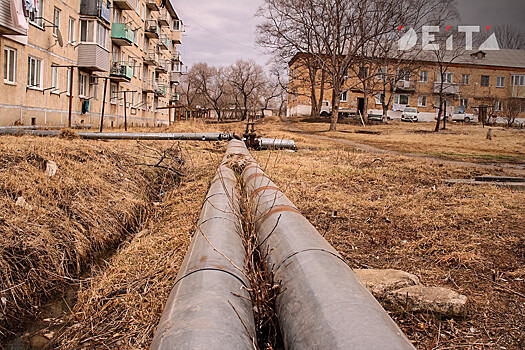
column 497, row 58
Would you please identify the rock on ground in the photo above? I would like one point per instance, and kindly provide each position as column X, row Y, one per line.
column 379, row 282
column 419, row 298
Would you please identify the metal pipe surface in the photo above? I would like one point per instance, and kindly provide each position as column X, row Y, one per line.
column 266, row 143
column 322, row 305
column 198, row 314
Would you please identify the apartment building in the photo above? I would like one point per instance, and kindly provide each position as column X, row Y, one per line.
column 72, row 51
column 473, row 79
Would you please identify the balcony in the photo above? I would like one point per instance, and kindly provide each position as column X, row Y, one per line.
column 162, row 66
column 152, row 5
column 151, row 29
column 121, row 34
column 97, row 8
column 93, row 57
column 176, row 36
column 151, row 57
column 121, row 71
column 517, row 91
column 176, row 56
column 125, row 4
column 164, row 42
column 164, row 18
column 448, row 88
column 175, row 77
column 149, row 86
column 406, row 85
column 161, row 90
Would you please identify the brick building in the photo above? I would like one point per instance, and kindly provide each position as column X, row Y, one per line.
column 130, row 45
column 475, row 78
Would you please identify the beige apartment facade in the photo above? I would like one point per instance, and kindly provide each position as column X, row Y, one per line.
column 126, row 47
column 477, row 78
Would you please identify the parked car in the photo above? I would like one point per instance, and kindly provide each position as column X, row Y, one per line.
column 409, row 115
column 459, row 114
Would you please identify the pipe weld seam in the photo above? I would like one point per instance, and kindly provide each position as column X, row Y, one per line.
column 253, row 176
column 278, row 209
column 255, row 165
column 309, row 250
column 262, row 189
column 211, row 269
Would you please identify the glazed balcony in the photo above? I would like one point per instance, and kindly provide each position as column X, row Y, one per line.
column 97, row 8
column 406, row 85
column 122, row 35
column 517, row 91
column 151, row 29
column 175, row 77
column 149, row 86
column 174, row 97
column 176, row 36
column 121, row 71
column 164, row 42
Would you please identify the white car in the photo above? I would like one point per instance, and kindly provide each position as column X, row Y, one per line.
column 459, row 115
column 409, row 115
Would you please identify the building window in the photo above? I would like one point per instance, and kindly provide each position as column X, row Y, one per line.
column 401, row 99
column 143, row 16
column 422, row 101
column 517, row 80
column 37, row 13
column 93, row 32
column 177, row 25
column 498, row 106
column 500, row 82
column 56, row 21
column 381, row 73
column 10, row 57
column 113, row 94
column 447, row 77
column 134, row 68
column 83, row 85
column 34, row 72
column 71, row 35
column 363, row 72
column 54, row 77
column 485, row 80
column 380, row 99
column 465, row 79
column 423, row 76
column 464, row 102
column 344, row 96
column 93, row 83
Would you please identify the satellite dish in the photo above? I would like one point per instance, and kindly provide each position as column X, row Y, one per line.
column 59, row 38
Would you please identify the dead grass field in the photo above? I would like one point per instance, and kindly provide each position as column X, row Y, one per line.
column 378, row 210
column 464, row 142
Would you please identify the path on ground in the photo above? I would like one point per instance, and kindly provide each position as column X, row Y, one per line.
column 372, row 149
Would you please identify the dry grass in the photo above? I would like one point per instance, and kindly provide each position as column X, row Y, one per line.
column 459, row 141
column 68, row 221
column 121, row 305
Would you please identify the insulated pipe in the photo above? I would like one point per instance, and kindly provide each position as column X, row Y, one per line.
column 322, row 304
column 264, row 143
column 209, row 306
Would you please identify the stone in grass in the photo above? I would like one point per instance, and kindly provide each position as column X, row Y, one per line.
column 379, row 281
column 419, row 298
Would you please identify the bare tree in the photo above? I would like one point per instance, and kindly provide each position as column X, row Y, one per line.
column 509, row 37
column 511, row 108
column 246, row 77
column 211, row 83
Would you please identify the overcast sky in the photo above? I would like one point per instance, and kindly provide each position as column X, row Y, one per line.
column 221, row 31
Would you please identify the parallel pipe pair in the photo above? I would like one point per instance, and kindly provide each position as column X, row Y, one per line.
column 322, row 304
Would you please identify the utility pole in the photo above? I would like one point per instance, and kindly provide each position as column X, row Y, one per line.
column 70, row 95
column 103, row 103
